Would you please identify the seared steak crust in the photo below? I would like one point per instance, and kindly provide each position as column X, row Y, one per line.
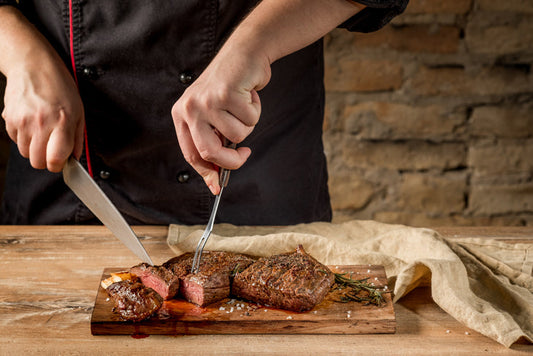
column 163, row 281
column 292, row 281
column 212, row 282
column 133, row 300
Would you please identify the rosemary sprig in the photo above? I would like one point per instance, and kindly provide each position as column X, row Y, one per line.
column 235, row 270
column 355, row 286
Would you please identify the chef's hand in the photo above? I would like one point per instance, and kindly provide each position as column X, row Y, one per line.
column 222, row 102
column 43, row 111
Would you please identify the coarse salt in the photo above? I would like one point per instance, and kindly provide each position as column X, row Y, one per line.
column 221, row 308
column 289, row 317
column 467, row 333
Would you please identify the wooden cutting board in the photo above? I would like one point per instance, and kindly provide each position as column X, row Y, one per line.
column 234, row 316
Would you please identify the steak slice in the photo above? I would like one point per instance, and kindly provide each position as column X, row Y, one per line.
column 292, row 281
column 160, row 279
column 133, row 300
column 213, row 280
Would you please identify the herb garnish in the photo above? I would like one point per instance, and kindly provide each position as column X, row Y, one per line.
column 358, row 290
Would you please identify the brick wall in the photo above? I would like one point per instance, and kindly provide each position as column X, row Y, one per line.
column 429, row 121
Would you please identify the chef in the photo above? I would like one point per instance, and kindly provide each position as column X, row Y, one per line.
column 142, row 92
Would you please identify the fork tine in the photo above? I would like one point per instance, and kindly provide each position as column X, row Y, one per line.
column 205, row 236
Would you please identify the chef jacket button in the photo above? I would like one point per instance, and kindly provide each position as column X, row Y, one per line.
column 89, row 73
column 183, row 177
column 186, row 78
column 104, row 174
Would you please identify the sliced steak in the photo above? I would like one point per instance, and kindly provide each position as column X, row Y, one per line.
column 292, row 281
column 212, row 282
column 160, row 279
column 133, row 300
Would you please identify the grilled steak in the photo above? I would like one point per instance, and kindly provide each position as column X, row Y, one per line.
column 134, row 301
column 293, row 281
column 212, row 282
column 160, row 279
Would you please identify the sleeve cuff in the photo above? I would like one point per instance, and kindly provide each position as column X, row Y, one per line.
column 377, row 14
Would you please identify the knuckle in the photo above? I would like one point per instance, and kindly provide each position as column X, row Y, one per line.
column 207, row 154
column 37, row 163
column 190, row 158
column 223, row 94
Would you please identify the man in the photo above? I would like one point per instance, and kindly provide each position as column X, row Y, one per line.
column 151, row 74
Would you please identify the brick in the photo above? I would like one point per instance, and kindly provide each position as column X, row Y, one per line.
column 432, row 193
column 348, row 191
column 501, row 199
column 427, row 220
column 438, row 6
column 411, row 155
column 502, row 157
column 456, row 81
column 506, row 122
column 521, row 6
column 345, row 75
column 385, row 120
column 414, row 38
column 483, row 36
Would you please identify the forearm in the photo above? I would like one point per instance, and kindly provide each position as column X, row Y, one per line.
column 276, row 28
column 21, row 44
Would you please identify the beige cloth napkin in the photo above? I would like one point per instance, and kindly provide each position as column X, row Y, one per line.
column 487, row 285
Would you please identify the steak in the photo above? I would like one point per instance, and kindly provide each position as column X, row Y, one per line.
column 133, row 300
column 160, row 279
column 213, row 280
column 292, row 281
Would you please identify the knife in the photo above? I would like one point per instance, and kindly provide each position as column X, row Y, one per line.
column 86, row 189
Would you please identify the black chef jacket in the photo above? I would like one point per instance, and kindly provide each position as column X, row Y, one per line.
column 133, row 59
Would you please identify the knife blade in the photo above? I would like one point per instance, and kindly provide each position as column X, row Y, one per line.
column 86, row 189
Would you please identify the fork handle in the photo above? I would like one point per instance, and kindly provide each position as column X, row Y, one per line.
column 224, row 173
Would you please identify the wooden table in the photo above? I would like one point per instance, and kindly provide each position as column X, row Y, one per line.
column 50, row 274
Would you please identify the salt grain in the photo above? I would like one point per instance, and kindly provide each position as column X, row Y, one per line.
column 289, row 317
column 447, row 331
column 367, row 271
column 107, row 300
column 221, row 308
column 467, row 333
